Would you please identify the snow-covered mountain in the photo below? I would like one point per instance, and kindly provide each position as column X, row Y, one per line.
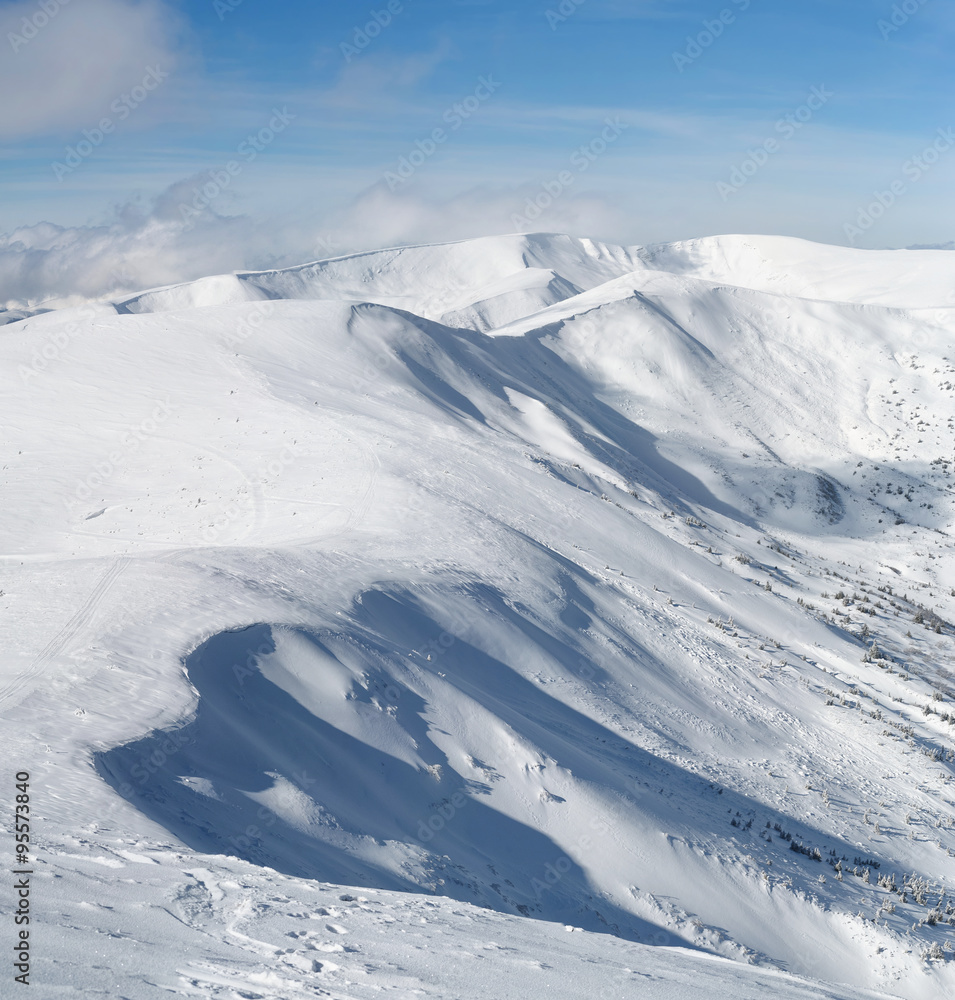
column 453, row 595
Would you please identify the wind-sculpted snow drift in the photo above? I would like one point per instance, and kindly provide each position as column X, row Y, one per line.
column 591, row 584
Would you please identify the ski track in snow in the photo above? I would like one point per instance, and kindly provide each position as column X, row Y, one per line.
column 66, row 635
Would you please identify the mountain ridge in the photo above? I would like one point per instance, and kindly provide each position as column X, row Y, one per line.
column 674, row 564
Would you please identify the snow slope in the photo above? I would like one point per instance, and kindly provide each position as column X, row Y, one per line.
column 534, row 574
column 482, row 283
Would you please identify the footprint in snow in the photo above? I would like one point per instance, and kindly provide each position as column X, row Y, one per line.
column 336, row 929
column 304, row 964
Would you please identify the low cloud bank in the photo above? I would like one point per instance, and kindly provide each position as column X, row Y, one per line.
column 143, row 245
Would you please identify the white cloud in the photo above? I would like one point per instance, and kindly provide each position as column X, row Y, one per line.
column 377, row 80
column 379, row 217
column 140, row 246
column 66, row 62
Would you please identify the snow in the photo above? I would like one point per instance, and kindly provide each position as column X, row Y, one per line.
column 411, row 607
column 204, row 928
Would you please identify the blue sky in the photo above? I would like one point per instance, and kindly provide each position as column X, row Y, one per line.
column 697, row 95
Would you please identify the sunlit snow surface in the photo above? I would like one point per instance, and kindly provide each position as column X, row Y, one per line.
column 448, row 621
